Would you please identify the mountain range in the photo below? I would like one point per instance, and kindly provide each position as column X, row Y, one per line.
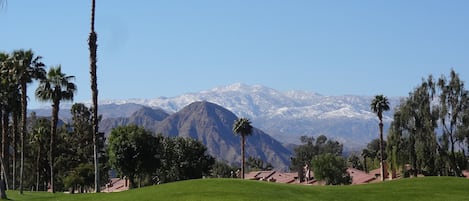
column 284, row 115
column 210, row 124
column 278, row 116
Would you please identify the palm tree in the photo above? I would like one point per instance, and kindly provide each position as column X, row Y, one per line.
column 6, row 85
column 27, row 68
column 11, row 111
column 56, row 87
column 243, row 128
column 94, row 89
column 365, row 154
column 37, row 140
column 378, row 105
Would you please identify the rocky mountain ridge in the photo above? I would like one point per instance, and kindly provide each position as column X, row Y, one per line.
column 211, row 124
column 287, row 115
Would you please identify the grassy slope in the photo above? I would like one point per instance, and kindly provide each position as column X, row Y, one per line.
column 430, row 188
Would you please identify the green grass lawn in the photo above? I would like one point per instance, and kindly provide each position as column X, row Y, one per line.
column 429, row 188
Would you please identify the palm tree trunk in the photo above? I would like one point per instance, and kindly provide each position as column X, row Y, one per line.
column 381, row 147
column 94, row 88
column 24, row 105
column 14, row 142
column 364, row 162
column 38, row 159
column 242, row 156
column 55, row 116
column 3, row 194
column 5, row 145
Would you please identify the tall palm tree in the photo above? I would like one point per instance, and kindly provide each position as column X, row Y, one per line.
column 56, row 87
column 379, row 105
column 243, row 128
column 11, row 112
column 94, row 90
column 7, row 84
column 27, row 68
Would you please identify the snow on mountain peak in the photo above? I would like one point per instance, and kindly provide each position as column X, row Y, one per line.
column 285, row 115
column 257, row 101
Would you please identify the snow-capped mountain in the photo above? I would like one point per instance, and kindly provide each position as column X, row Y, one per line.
column 286, row 115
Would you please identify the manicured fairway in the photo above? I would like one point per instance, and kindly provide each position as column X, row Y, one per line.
column 429, row 188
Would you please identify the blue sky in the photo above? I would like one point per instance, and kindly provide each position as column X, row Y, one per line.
column 158, row 48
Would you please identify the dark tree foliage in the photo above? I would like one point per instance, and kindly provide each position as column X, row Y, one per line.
column 77, row 149
column 373, row 148
column 413, row 131
column 311, row 147
column 331, row 168
column 81, row 138
column 182, row 159
column 434, row 108
column 79, row 177
column 454, row 103
column 221, row 169
column 355, row 162
column 365, row 155
column 258, row 164
column 133, row 152
column 39, row 152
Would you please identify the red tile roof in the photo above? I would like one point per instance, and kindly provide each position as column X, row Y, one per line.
column 360, row 177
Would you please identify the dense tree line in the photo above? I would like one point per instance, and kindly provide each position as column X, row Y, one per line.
column 430, row 132
column 18, row 69
column 62, row 155
column 74, row 165
column 139, row 156
column 48, row 137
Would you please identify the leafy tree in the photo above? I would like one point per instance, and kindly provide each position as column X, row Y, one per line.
column 331, row 168
column 168, row 170
column 81, row 137
column 79, row 145
column 355, row 162
column 56, row 87
column 413, row 133
column 303, row 154
column 79, row 177
column 243, row 128
column 221, row 169
column 379, row 105
column 396, row 146
column 182, row 159
column 133, row 152
column 454, row 101
column 374, row 148
column 311, row 147
column 192, row 158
